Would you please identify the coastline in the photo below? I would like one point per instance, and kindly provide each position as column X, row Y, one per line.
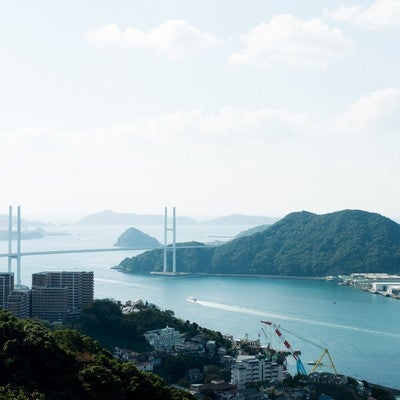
column 292, row 277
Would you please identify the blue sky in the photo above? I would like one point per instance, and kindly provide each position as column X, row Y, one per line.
column 257, row 107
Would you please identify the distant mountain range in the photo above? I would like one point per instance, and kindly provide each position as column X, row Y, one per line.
column 24, row 222
column 109, row 217
column 301, row 244
column 38, row 233
column 239, row 219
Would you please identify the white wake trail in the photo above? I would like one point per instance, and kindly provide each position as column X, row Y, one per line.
column 245, row 310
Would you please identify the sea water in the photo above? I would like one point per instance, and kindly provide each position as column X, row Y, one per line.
column 361, row 331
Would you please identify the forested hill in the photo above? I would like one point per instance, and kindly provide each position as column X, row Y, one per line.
column 252, row 231
column 301, row 244
column 134, row 238
column 37, row 363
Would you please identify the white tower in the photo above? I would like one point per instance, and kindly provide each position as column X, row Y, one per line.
column 173, row 241
column 166, row 229
column 9, row 238
column 19, row 246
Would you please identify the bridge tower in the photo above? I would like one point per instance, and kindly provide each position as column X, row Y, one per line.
column 9, row 238
column 166, row 230
column 17, row 255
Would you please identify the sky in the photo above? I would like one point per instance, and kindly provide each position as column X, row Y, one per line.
column 256, row 107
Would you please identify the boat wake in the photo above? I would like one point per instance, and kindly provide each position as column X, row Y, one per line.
column 275, row 316
column 90, row 237
column 191, row 299
column 121, row 283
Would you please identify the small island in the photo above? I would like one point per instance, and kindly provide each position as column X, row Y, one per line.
column 134, row 238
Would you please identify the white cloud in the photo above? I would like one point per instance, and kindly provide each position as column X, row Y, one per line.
column 228, row 126
column 287, row 40
column 376, row 110
column 137, row 164
column 175, row 38
column 380, row 14
column 231, row 125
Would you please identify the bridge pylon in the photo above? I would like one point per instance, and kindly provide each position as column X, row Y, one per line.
column 17, row 255
column 166, row 230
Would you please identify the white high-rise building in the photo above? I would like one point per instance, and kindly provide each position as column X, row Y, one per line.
column 251, row 369
column 166, row 339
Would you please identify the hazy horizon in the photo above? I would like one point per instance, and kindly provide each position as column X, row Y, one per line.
column 73, row 218
column 218, row 108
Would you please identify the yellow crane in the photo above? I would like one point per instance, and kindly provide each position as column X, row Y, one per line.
column 325, row 352
column 319, row 361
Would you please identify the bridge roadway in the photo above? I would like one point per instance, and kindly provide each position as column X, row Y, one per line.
column 49, row 252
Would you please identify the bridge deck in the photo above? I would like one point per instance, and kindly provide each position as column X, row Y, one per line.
column 49, row 252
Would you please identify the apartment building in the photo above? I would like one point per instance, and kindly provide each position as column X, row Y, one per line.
column 166, row 339
column 6, row 287
column 19, row 303
column 57, row 296
column 251, row 369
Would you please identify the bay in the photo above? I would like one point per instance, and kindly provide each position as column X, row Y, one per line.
column 361, row 331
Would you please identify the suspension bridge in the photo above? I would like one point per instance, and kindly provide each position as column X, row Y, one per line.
column 18, row 254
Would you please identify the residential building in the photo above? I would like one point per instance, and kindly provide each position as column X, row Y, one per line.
column 19, row 303
column 50, row 303
column 6, row 287
column 140, row 361
column 250, row 369
column 57, row 296
column 166, row 339
column 79, row 284
column 219, row 390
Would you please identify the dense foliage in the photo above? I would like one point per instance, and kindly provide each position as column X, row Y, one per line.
column 37, row 363
column 252, row 231
column 301, row 244
column 105, row 322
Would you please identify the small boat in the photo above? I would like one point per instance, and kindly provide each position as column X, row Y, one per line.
column 313, row 363
column 191, row 299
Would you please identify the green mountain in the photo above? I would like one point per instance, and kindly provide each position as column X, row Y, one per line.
column 252, row 231
column 40, row 364
column 134, row 238
column 187, row 260
column 301, row 244
column 111, row 324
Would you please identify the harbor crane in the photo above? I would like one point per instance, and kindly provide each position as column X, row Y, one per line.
column 299, row 364
column 295, row 354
